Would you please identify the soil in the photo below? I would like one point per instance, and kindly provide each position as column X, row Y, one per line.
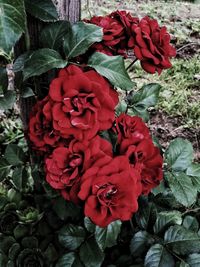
column 166, row 128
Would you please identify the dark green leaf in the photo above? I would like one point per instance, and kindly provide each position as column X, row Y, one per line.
column 20, row 61
column 179, row 154
column 182, row 188
column 65, row 209
column 111, row 67
column 182, row 241
column 14, row 155
column 29, row 242
column 3, row 80
column 107, row 237
column 81, row 37
column 12, row 23
column 6, row 242
column 42, row 9
column 20, row 178
column 147, row 96
column 166, row 219
column 191, row 223
column 182, row 264
column 194, row 172
column 50, row 253
column 194, row 260
column 140, row 243
column 121, row 107
column 69, row 260
column 139, row 111
column 27, row 92
column 21, row 231
column 4, row 168
column 89, row 225
column 71, row 236
column 90, row 254
column 53, row 34
column 7, row 100
column 41, row 61
column 13, row 251
column 3, row 259
column 159, row 189
column 158, row 256
column 146, row 215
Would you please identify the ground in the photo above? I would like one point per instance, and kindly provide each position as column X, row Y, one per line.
column 178, row 111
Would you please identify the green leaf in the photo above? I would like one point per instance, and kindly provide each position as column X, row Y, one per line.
column 80, row 38
column 139, row 111
column 183, row 264
column 42, row 9
column 69, row 260
column 90, row 253
column 179, row 154
column 140, row 243
column 194, row 260
column 27, row 92
column 194, row 172
column 89, row 225
column 13, row 251
column 107, row 237
column 146, row 214
column 20, row 61
column 20, row 178
column 12, row 22
column 191, row 223
column 71, row 236
column 29, row 242
column 14, row 155
column 111, row 67
column 41, row 61
column 147, row 96
column 52, row 36
column 166, row 219
column 182, row 188
column 3, row 259
column 21, row 231
column 181, row 240
column 7, row 100
column 158, row 256
column 6, row 242
column 4, row 168
column 3, row 80
column 121, row 107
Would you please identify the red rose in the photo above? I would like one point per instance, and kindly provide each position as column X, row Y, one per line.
column 152, row 45
column 65, row 166
column 83, row 103
column 146, row 157
column 41, row 132
column 130, row 130
column 113, row 35
column 110, row 191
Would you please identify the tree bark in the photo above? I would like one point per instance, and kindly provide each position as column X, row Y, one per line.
column 67, row 10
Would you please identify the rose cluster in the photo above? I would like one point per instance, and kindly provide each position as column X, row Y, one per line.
column 149, row 42
column 67, row 126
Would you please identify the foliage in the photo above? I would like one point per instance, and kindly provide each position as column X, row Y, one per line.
column 39, row 228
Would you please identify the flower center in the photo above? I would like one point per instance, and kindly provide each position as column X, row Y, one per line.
column 106, row 194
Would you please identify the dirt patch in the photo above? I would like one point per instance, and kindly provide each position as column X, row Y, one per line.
column 166, row 128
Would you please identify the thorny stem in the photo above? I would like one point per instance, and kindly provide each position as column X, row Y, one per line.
column 190, row 211
column 184, row 46
column 132, row 63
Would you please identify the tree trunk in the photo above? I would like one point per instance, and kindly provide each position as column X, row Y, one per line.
column 67, row 10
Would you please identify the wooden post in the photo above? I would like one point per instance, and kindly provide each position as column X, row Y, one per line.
column 67, row 10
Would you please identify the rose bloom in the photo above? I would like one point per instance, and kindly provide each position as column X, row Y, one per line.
column 130, row 130
column 41, row 131
column 151, row 44
column 110, row 191
column 134, row 140
column 65, row 166
column 83, row 103
column 114, row 35
column 146, row 158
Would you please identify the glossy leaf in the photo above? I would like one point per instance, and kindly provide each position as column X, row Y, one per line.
column 20, row 178
column 12, row 23
column 41, row 61
column 69, row 260
column 194, row 172
column 158, row 256
column 194, row 260
column 140, row 243
column 89, row 225
column 107, row 237
column 42, row 9
column 166, row 219
column 71, row 236
column 52, row 36
column 182, row 188
column 7, row 100
column 181, row 240
column 4, row 168
column 90, row 253
column 111, row 67
column 191, row 223
column 80, row 38
column 14, row 155
column 179, row 154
